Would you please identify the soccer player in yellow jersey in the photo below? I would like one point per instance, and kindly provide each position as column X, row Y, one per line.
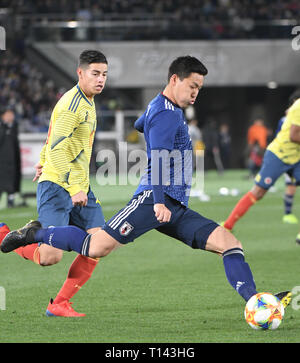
column 63, row 193
column 282, row 156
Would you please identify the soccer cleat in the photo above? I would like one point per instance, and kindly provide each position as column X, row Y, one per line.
column 21, row 237
column 63, row 309
column 290, row 219
column 285, row 298
column 298, row 238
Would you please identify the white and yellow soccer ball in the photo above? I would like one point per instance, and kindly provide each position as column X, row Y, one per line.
column 264, row 311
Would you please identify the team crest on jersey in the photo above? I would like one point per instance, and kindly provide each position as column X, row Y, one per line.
column 268, row 180
column 125, row 229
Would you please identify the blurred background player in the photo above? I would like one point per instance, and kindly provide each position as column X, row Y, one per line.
column 290, row 183
column 211, row 142
column 225, row 145
column 257, row 143
column 10, row 159
column 281, row 156
column 63, row 193
column 196, row 137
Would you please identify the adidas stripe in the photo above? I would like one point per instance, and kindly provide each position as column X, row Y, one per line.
column 114, row 223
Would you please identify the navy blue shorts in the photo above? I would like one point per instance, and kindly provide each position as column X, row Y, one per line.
column 55, row 208
column 272, row 168
column 138, row 217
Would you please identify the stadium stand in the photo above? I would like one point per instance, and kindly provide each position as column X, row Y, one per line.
column 32, row 92
column 150, row 19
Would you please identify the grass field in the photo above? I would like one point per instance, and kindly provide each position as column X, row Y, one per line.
column 157, row 290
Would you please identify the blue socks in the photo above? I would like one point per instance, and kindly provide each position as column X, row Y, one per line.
column 69, row 238
column 238, row 273
column 288, row 203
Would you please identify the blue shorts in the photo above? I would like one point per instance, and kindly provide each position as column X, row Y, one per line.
column 138, row 218
column 272, row 168
column 55, row 208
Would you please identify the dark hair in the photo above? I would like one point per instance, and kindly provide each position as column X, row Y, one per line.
column 294, row 96
column 91, row 56
column 184, row 66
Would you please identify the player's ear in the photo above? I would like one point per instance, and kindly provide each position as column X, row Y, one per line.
column 173, row 79
column 79, row 72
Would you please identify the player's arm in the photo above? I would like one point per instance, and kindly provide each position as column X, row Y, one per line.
column 295, row 133
column 161, row 139
column 39, row 166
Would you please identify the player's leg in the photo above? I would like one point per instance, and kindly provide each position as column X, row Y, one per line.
column 79, row 273
column 31, row 252
column 199, row 232
column 296, row 175
column 54, row 207
column 270, row 171
column 288, row 200
column 237, row 271
column 135, row 219
column 91, row 219
column 243, row 205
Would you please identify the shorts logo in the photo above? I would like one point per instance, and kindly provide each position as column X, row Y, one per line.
column 268, row 180
column 125, row 229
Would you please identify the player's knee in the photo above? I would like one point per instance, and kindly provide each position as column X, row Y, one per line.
column 220, row 240
column 258, row 192
column 99, row 251
column 50, row 259
column 102, row 249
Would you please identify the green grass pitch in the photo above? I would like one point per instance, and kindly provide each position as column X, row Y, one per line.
column 157, row 290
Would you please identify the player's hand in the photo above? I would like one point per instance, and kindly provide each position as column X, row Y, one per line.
column 38, row 171
column 162, row 213
column 80, row 199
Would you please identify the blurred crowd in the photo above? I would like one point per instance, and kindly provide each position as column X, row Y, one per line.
column 32, row 96
column 206, row 19
column 24, row 89
column 181, row 9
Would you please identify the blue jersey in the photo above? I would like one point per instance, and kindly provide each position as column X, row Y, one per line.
column 169, row 151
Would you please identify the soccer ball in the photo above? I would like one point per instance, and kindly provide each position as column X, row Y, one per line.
column 264, row 311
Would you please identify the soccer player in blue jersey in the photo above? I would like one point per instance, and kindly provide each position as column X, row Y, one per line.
column 161, row 199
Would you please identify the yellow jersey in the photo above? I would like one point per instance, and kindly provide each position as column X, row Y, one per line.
column 282, row 146
column 66, row 154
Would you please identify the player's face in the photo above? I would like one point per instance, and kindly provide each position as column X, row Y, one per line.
column 186, row 91
column 92, row 79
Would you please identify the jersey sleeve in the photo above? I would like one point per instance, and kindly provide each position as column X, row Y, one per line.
column 139, row 123
column 61, row 142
